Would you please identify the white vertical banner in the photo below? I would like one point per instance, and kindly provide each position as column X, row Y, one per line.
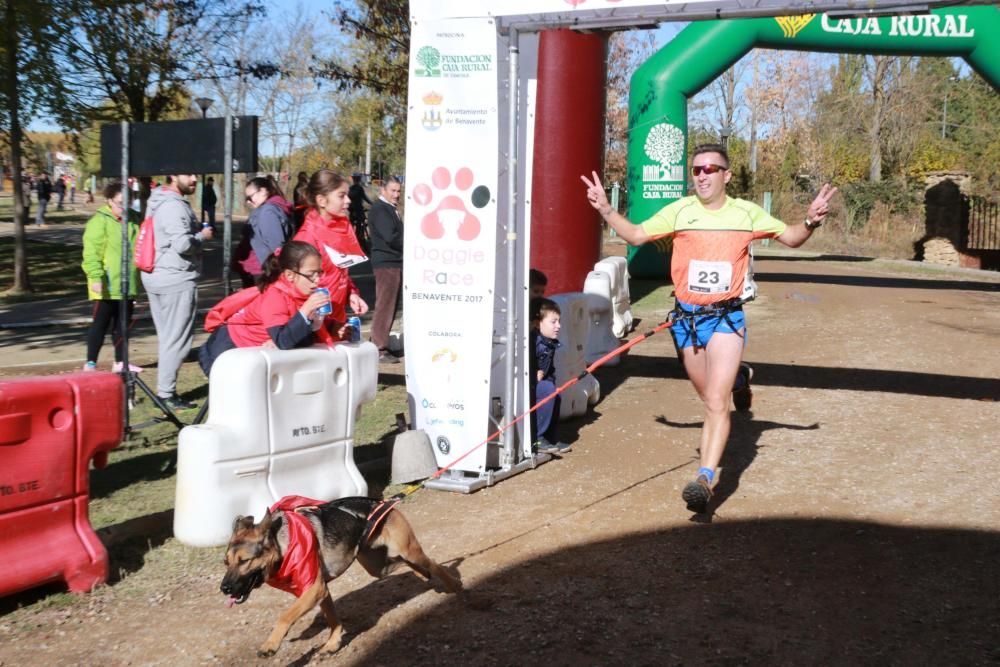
column 450, row 242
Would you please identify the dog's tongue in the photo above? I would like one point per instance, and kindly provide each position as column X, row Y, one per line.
column 230, row 601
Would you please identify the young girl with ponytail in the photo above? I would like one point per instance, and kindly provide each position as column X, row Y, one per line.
column 328, row 229
column 283, row 315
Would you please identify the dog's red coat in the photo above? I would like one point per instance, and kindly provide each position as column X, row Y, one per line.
column 300, row 563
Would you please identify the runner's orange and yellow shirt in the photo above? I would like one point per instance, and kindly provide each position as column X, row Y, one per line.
column 711, row 254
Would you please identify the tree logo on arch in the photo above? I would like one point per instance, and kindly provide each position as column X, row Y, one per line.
column 665, row 143
column 793, row 25
column 665, row 147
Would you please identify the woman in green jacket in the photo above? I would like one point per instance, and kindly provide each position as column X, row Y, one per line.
column 102, row 264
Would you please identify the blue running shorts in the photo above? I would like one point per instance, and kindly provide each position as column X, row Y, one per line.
column 705, row 326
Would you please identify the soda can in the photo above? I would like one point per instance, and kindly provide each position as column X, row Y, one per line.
column 325, row 309
column 355, row 322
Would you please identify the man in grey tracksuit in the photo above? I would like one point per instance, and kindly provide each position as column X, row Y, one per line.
column 172, row 284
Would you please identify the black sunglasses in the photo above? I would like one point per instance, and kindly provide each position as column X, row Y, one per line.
column 707, row 169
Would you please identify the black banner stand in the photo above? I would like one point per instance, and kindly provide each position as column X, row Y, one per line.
column 160, row 152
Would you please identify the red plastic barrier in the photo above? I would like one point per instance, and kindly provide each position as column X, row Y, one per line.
column 50, row 429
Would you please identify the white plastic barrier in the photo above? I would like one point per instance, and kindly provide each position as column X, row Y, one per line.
column 280, row 422
column 570, row 362
column 621, row 313
column 600, row 339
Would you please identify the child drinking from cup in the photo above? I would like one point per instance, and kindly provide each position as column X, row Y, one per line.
column 288, row 312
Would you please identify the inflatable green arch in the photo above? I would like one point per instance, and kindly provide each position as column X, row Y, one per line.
column 660, row 88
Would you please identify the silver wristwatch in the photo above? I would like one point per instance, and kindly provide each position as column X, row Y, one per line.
column 810, row 225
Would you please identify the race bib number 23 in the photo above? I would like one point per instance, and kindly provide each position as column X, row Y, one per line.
column 709, row 277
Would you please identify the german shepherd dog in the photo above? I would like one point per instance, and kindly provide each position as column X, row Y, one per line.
column 255, row 553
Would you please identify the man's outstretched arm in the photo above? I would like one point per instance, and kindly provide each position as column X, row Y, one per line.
column 633, row 234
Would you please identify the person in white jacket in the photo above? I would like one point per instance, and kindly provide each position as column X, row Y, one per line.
column 172, row 285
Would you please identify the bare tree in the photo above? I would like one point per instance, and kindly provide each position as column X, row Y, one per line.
column 143, row 54
column 626, row 52
column 877, row 72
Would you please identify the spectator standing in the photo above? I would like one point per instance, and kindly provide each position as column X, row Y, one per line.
column 43, row 189
column 208, row 202
column 359, row 198
column 267, row 228
column 386, row 229
column 172, row 284
column 328, row 229
column 60, row 189
column 72, row 189
column 102, row 264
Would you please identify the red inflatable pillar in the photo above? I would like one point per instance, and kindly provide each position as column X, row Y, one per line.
column 569, row 141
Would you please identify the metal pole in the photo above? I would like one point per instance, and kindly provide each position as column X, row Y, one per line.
column 944, row 116
column 202, row 182
column 368, row 155
column 227, row 232
column 126, row 252
column 508, row 439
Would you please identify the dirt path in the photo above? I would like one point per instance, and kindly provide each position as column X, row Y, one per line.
column 856, row 522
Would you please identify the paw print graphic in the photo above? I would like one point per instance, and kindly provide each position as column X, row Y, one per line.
column 451, row 216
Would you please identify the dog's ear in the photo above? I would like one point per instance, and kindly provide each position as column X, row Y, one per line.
column 242, row 523
column 268, row 526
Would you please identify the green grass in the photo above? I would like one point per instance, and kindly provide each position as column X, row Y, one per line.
column 54, row 270
column 140, row 477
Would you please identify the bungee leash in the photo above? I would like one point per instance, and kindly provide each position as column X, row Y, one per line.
column 721, row 309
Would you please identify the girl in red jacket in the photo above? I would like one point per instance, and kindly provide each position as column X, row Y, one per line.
column 283, row 315
column 328, row 229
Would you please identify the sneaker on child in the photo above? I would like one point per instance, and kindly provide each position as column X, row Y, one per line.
column 543, row 446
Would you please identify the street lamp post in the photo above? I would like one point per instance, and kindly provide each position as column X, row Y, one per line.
column 204, row 103
column 724, row 134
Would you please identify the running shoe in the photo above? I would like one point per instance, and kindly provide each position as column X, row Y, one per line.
column 742, row 393
column 697, row 494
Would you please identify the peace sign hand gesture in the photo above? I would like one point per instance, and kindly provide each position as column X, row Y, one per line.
column 821, row 205
column 595, row 194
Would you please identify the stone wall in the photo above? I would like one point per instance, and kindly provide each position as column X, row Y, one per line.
column 947, row 216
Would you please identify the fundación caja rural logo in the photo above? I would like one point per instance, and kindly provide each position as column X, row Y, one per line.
column 431, row 62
